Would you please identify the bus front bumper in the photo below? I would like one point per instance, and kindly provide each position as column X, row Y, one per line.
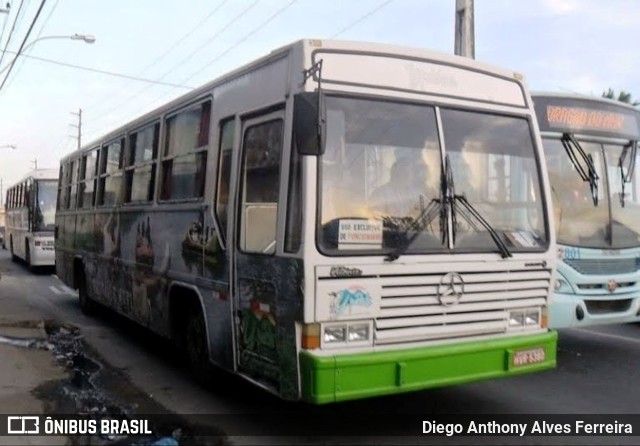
column 570, row 310
column 327, row 379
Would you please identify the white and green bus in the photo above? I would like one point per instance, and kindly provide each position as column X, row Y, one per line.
column 591, row 152
column 333, row 221
column 30, row 208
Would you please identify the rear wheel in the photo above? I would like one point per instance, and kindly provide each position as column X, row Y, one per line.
column 196, row 346
column 14, row 258
column 87, row 305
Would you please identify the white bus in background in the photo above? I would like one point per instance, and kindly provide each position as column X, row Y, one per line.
column 30, row 209
column 590, row 146
column 335, row 220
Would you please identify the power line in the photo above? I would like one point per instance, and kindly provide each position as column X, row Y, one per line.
column 13, row 27
column 243, row 39
column 183, row 38
column 44, row 24
column 4, row 26
column 364, row 17
column 180, row 63
column 96, row 70
column 24, row 41
column 235, row 45
column 175, row 45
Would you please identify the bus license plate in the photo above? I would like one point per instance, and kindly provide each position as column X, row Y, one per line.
column 527, row 357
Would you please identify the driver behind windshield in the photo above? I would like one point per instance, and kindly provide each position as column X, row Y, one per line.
column 406, row 192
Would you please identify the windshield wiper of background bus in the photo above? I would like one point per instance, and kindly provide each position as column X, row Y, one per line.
column 627, row 164
column 583, row 163
column 452, row 200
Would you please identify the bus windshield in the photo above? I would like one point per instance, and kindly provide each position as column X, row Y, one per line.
column 381, row 179
column 46, row 205
column 581, row 222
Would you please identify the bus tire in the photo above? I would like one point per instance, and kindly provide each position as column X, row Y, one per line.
column 196, row 346
column 27, row 255
column 87, row 305
column 14, row 258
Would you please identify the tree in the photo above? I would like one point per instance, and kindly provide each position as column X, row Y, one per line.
column 623, row 96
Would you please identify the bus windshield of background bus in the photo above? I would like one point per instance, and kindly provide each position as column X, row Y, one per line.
column 382, row 166
column 45, row 212
column 578, row 221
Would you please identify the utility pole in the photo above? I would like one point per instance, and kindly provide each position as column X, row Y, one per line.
column 79, row 127
column 465, row 34
column 35, row 163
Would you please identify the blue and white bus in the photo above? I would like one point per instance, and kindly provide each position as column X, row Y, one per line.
column 590, row 148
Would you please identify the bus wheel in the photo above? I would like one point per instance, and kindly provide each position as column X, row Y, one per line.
column 196, row 345
column 14, row 258
column 87, row 305
column 27, row 256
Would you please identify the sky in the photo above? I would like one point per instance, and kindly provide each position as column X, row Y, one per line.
column 578, row 46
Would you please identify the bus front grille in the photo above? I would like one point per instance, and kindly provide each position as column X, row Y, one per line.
column 603, row 266
column 411, row 309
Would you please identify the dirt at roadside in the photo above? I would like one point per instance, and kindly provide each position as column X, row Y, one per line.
column 85, row 384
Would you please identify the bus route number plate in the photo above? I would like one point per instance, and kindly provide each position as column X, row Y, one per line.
column 521, row 358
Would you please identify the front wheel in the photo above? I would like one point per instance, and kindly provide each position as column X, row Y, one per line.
column 27, row 256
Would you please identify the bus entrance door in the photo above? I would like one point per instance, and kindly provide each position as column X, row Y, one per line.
column 255, row 279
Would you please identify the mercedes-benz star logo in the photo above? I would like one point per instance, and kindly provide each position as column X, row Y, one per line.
column 450, row 289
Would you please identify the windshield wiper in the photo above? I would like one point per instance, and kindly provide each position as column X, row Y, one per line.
column 504, row 251
column 436, row 207
column 440, row 207
column 574, row 151
column 453, row 198
column 426, row 216
column 629, row 150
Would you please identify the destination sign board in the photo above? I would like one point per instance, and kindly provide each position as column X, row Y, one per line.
column 575, row 115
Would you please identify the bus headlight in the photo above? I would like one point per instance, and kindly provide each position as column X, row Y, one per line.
column 347, row 334
column 358, row 332
column 532, row 317
column 524, row 318
column 335, row 333
column 561, row 285
column 516, row 318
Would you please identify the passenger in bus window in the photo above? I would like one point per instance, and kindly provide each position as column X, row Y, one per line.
column 406, row 190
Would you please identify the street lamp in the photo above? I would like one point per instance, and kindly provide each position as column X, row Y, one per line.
column 87, row 38
column 8, row 146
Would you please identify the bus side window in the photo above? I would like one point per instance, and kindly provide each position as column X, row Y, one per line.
column 141, row 164
column 227, row 131
column 60, row 181
column 73, row 195
column 109, row 193
column 261, row 180
column 87, row 179
column 185, row 153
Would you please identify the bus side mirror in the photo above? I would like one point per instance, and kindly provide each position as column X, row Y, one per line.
column 308, row 123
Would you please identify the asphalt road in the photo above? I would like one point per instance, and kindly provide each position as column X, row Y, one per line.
column 597, row 374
